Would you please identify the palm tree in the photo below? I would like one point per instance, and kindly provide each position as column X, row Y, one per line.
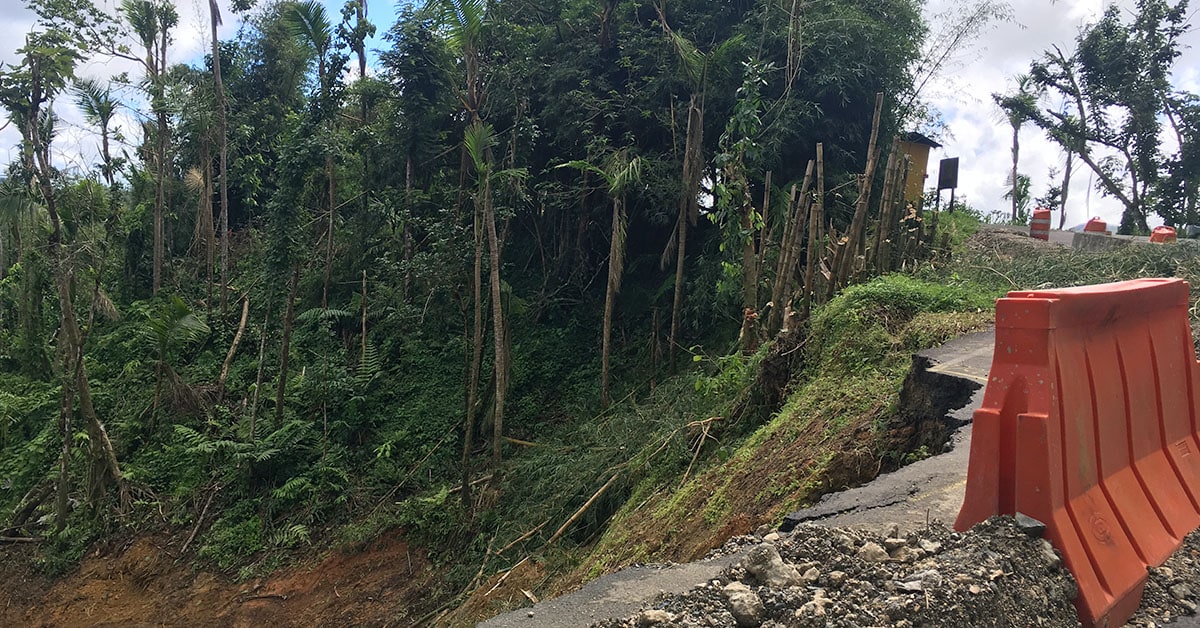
column 223, row 139
column 310, row 26
column 462, row 24
column 98, row 107
column 478, row 141
column 171, row 328
column 1014, row 105
column 619, row 173
column 151, row 22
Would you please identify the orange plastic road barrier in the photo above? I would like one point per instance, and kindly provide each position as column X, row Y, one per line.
column 1039, row 226
column 1163, row 235
column 1089, row 425
column 1096, row 225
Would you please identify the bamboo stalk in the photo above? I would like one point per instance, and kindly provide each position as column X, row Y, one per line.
column 582, row 509
column 886, row 207
column 843, row 269
column 790, row 251
column 815, row 221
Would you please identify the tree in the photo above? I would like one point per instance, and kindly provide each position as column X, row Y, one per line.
column 740, row 151
column 170, row 328
column 98, row 107
column 1118, row 80
column 1020, row 196
column 478, row 141
column 620, row 171
column 47, row 65
column 152, row 22
column 696, row 66
column 222, row 107
column 463, row 22
column 310, row 26
column 1014, row 106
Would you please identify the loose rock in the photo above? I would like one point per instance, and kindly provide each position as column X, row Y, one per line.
column 872, row 553
column 764, row 563
column 746, row 606
column 654, row 618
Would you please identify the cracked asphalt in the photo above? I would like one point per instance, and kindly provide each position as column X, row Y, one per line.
column 928, row 490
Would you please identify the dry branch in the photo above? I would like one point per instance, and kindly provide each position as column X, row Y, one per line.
column 237, row 339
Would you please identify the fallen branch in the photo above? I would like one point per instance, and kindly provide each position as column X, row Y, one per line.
column 18, row 539
column 200, row 519
column 237, row 339
column 479, row 574
column 582, row 509
column 523, row 443
column 523, row 537
column 704, row 427
column 474, row 483
column 505, row 576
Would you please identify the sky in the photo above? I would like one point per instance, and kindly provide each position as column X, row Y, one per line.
column 976, row 131
column 979, row 135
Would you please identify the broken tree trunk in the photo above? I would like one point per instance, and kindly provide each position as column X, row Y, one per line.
column 815, row 220
column 845, row 267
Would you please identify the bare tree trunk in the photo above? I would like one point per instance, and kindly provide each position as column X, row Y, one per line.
column 328, row 234
column 790, row 252
column 815, row 220
column 258, row 377
column 476, row 355
column 854, row 237
column 688, row 209
column 237, row 339
column 891, row 179
column 160, row 197
column 74, row 371
column 750, row 269
column 1066, row 189
column 1016, row 151
column 159, row 203
column 285, row 344
column 408, row 239
column 223, row 133
column 677, row 299
column 498, row 328
column 616, row 266
column 66, row 408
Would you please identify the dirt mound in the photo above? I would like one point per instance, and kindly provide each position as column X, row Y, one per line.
column 143, row 584
column 1007, row 244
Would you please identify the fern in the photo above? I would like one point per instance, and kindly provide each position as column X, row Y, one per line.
column 324, row 315
column 292, row 536
column 370, row 366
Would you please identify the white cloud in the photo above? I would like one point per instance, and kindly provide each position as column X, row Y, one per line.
column 75, row 145
column 980, row 136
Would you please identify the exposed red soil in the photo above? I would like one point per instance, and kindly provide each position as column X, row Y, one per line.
column 142, row 584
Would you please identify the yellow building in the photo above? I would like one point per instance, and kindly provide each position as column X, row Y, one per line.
column 916, row 146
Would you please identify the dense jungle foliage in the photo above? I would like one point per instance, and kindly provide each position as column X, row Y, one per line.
column 483, row 293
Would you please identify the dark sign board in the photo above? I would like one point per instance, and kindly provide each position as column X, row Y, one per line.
column 948, row 174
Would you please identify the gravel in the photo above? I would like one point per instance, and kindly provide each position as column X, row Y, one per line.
column 994, row 575
column 1000, row 573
